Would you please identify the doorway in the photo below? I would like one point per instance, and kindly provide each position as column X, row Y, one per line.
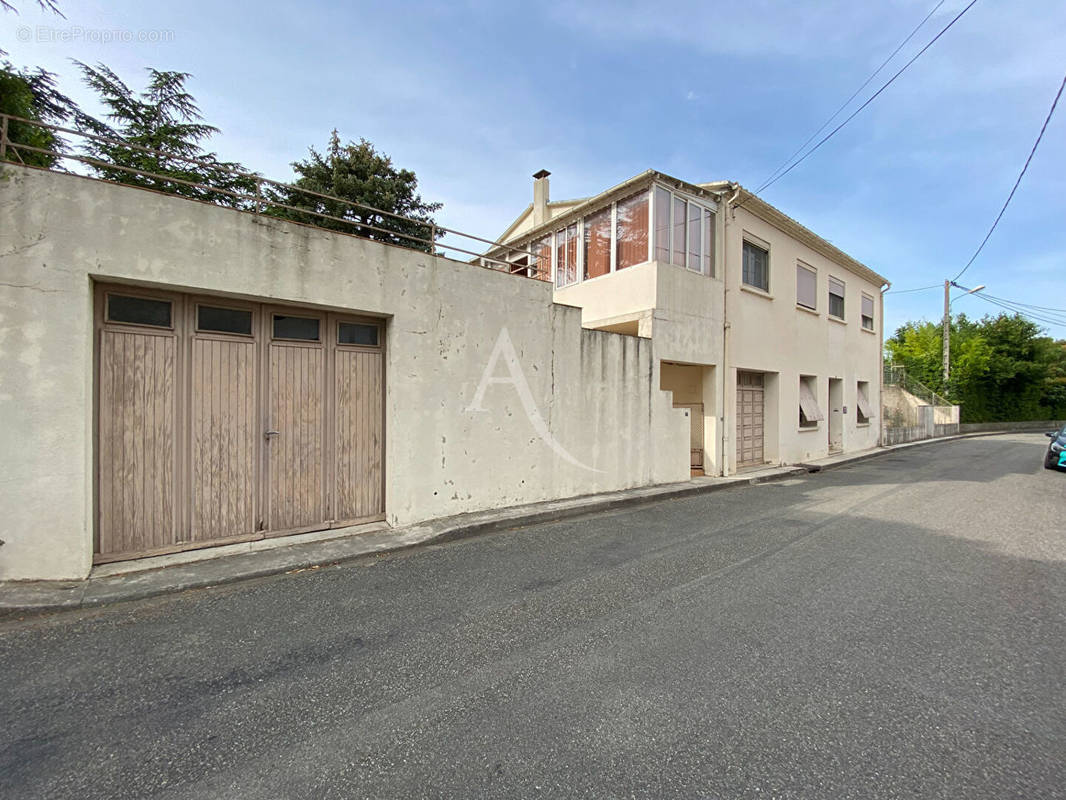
column 836, row 415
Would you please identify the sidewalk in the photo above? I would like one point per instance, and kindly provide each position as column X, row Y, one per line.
column 148, row 577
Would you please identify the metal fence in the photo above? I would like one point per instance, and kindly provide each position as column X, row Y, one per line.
column 263, row 196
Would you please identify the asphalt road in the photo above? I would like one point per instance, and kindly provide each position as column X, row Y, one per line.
column 896, row 628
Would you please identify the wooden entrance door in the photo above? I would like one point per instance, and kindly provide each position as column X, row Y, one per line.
column 749, row 419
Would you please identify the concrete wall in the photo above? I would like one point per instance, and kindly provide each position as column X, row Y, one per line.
column 597, row 393
column 928, row 424
column 900, row 408
column 770, row 333
column 1041, row 426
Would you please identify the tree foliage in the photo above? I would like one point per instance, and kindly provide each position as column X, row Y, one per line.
column 164, row 118
column 1002, row 368
column 32, row 94
column 358, row 173
column 154, row 139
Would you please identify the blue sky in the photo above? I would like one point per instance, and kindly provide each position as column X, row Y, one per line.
column 476, row 96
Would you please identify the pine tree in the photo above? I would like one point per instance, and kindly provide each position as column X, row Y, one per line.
column 357, row 172
column 163, row 118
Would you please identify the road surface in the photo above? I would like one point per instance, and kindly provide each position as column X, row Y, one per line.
column 896, row 628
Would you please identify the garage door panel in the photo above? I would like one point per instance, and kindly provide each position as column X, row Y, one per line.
column 358, row 452
column 137, row 435
column 184, row 400
column 296, row 462
column 225, row 436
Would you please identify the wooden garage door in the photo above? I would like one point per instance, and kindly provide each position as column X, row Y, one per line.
column 137, row 425
column 358, row 385
column 222, row 421
column 749, row 419
column 224, row 427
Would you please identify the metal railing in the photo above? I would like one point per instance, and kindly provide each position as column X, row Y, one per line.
column 516, row 260
column 896, row 375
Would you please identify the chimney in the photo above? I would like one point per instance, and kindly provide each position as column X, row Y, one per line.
column 540, row 197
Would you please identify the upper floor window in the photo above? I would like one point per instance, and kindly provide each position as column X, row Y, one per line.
column 836, row 298
column 597, row 250
column 867, row 312
column 756, row 269
column 684, row 232
column 566, row 256
column 631, row 231
column 542, row 258
column 806, row 287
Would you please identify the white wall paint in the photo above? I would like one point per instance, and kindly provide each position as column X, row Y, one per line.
column 597, row 392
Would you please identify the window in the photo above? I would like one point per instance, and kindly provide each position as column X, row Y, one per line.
column 566, row 256
column 809, row 412
column 684, row 232
column 598, row 244
column 678, row 241
column 302, row 328
column 863, row 410
column 542, row 264
column 695, row 237
column 806, row 287
column 663, row 200
column 867, row 312
column 756, row 266
column 631, row 231
column 138, row 310
column 708, row 251
column 357, row 333
column 224, row 320
column 836, row 298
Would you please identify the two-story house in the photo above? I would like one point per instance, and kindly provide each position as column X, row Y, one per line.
column 768, row 334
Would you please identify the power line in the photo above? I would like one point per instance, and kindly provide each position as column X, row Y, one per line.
column 855, row 94
column 869, row 100
column 1007, row 305
column 1043, row 316
column 1036, row 144
column 919, row 289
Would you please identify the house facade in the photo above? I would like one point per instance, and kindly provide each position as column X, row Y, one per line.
column 766, row 333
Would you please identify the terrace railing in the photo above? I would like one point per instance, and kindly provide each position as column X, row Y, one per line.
column 896, row 375
column 263, row 196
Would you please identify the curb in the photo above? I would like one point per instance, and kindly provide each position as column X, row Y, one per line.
column 37, row 598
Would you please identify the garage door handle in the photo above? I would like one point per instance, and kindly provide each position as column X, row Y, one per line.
column 268, row 434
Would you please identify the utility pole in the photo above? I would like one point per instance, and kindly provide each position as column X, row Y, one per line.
column 947, row 335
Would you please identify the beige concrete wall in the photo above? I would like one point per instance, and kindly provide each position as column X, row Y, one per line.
column 900, row 408
column 597, row 393
column 618, row 294
column 770, row 333
column 945, row 415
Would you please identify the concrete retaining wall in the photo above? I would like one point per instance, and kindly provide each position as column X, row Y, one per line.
column 596, row 395
column 993, row 427
column 928, row 424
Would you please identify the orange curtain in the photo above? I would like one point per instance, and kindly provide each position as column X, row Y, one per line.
column 632, row 231
column 598, row 244
column 543, row 249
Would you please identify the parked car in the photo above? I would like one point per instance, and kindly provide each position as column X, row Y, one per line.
column 1056, row 451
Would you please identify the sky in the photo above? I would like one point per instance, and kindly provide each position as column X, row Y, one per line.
column 475, row 96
